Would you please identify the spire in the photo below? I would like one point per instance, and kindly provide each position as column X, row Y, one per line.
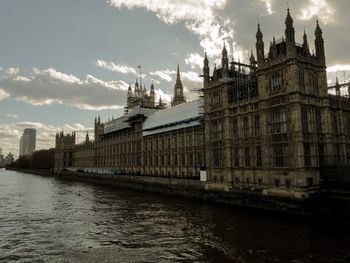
column 289, row 32
column 152, row 94
column 260, row 52
column 129, row 91
column 224, row 51
column 136, row 87
column 305, row 37
column 178, row 90
column 178, row 78
column 87, row 137
column 305, row 44
column 252, row 59
column 337, row 86
column 205, row 61
column 259, row 34
column 289, row 19
column 215, row 73
column 224, row 62
column 318, row 30
column 319, row 45
column 206, row 69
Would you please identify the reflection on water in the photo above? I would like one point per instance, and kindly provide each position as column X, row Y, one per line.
column 49, row 220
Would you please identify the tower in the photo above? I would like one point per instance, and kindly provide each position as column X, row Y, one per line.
column 129, row 91
column 224, row 62
column 252, row 61
column 206, row 70
column 152, row 94
column 319, row 45
column 178, row 90
column 87, row 137
column 260, row 52
column 305, row 45
column 290, row 34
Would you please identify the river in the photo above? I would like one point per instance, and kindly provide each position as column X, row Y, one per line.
column 45, row 219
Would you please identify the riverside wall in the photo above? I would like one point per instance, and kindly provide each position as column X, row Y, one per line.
column 199, row 190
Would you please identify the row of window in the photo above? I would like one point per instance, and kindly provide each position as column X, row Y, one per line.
column 249, row 155
column 313, row 83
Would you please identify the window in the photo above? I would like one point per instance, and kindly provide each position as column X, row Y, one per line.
column 304, row 122
column 335, row 123
column 216, row 130
column 302, row 81
column 321, row 153
column 318, row 121
column 257, row 124
column 279, row 121
column 277, row 82
column 245, row 127
column 236, row 157
column 348, row 124
column 315, row 84
column 246, row 156
column 310, row 182
column 216, row 99
column 288, row 182
column 277, row 182
column 307, row 157
column 258, row 156
column 216, row 154
column 280, row 155
column 337, row 151
column 235, row 127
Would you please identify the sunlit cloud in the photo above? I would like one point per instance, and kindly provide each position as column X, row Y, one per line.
column 124, row 69
column 198, row 15
column 317, row 8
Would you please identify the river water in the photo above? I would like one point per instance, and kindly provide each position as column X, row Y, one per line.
column 50, row 220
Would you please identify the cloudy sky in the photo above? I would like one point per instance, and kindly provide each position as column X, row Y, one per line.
column 64, row 62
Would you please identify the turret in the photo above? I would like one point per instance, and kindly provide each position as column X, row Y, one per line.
column 152, row 94
column 87, row 137
column 273, row 49
column 337, row 87
column 160, row 102
column 215, row 73
column 129, row 91
column 224, row 62
column 136, row 88
column 178, row 90
column 260, row 52
column 305, row 44
column 319, row 45
column 290, row 34
column 252, row 61
column 206, row 69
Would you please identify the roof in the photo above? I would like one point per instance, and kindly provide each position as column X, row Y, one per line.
column 116, row 125
column 122, row 122
column 181, row 116
column 138, row 110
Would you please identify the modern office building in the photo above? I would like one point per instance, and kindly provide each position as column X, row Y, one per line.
column 27, row 142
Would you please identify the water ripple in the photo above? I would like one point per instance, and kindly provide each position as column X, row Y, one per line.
column 48, row 220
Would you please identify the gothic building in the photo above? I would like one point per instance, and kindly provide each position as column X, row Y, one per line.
column 272, row 123
column 178, row 90
column 269, row 124
column 149, row 139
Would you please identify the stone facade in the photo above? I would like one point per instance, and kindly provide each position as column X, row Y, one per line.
column 149, row 139
column 270, row 124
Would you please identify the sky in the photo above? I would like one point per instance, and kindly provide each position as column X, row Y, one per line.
column 62, row 63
